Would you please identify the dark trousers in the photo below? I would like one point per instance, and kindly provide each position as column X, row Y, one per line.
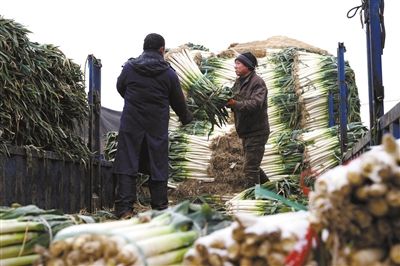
column 253, row 148
column 126, row 194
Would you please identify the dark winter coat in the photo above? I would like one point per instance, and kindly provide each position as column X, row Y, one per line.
column 149, row 87
column 250, row 110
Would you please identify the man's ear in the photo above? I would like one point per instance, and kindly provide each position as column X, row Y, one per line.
column 162, row 50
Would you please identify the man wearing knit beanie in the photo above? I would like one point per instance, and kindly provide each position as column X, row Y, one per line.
column 249, row 106
column 248, row 59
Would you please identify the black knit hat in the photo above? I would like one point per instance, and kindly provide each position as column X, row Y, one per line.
column 153, row 41
column 248, row 59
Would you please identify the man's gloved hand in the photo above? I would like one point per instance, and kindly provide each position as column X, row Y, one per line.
column 187, row 119
column 231, row 103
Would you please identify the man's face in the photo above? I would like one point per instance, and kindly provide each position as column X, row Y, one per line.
column 240, row 69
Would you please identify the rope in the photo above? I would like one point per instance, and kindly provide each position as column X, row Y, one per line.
column 363, row 8
column 355, row 10
column 21, row 250
column 48, row 226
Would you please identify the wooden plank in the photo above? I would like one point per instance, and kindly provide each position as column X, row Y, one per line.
column 390, row 117
column 358, row 148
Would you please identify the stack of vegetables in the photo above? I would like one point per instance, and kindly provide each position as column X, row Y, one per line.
column 277, row 196
column 251, row 240
column 189, row 150
column 151, row 238
column 189, row 157
column 322, row 146
column 322, row 149
column 23, row 229
column 42, row 96
column 283, row 90
column 318, row 79
column 292, row 164
column 284, row 155
column 357, row 207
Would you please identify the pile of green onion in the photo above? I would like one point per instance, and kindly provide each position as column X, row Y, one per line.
column 25, row 229
column 42, row 97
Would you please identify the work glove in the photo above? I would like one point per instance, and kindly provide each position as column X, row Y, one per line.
column 231, row 103
column 187, row 119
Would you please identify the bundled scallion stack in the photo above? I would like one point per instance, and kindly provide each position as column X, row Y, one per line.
column 284, row 90
column 189, row 157
column 322, row 146
column 317, row 76
column 284, row 195
column 42, row 95
column 24, row 229
column 151, row 238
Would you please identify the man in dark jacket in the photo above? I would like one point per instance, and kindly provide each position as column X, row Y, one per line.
column 249, row 106
column 149, row 86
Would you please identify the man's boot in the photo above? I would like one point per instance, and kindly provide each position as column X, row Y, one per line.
column 125, row 196
column 158, row 192
column 263, row 177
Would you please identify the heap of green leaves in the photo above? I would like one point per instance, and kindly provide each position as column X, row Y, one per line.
column 42, row 95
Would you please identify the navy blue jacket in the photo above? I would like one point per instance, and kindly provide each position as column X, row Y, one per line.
column 149, row 87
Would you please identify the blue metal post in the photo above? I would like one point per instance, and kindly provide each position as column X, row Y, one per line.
column 94, row 99
column 343, row 97
column 375, row 30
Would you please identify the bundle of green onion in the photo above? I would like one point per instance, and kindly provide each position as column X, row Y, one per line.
column 25, row 228
column 151, row 238
column 318, row 78
column 284, row 87
column 283, row 155
column 322, row 150
column 284, row 194
column 322, row 146
column 207, row 97
column 189, row 157
column 220, row 71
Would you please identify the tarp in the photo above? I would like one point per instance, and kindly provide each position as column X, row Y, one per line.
column 109, row 121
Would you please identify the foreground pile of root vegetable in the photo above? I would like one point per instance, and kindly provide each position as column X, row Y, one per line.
column 150, row 238
column 24, row 228
column 358, row 206
column 251, row 240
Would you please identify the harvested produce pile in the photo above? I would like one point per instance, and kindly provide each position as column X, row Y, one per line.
column 302, row 87
column 302, row 102
column 251, row 241
column 151, row 238
column 42, row 95
column 358, row 205
column 23, row 229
